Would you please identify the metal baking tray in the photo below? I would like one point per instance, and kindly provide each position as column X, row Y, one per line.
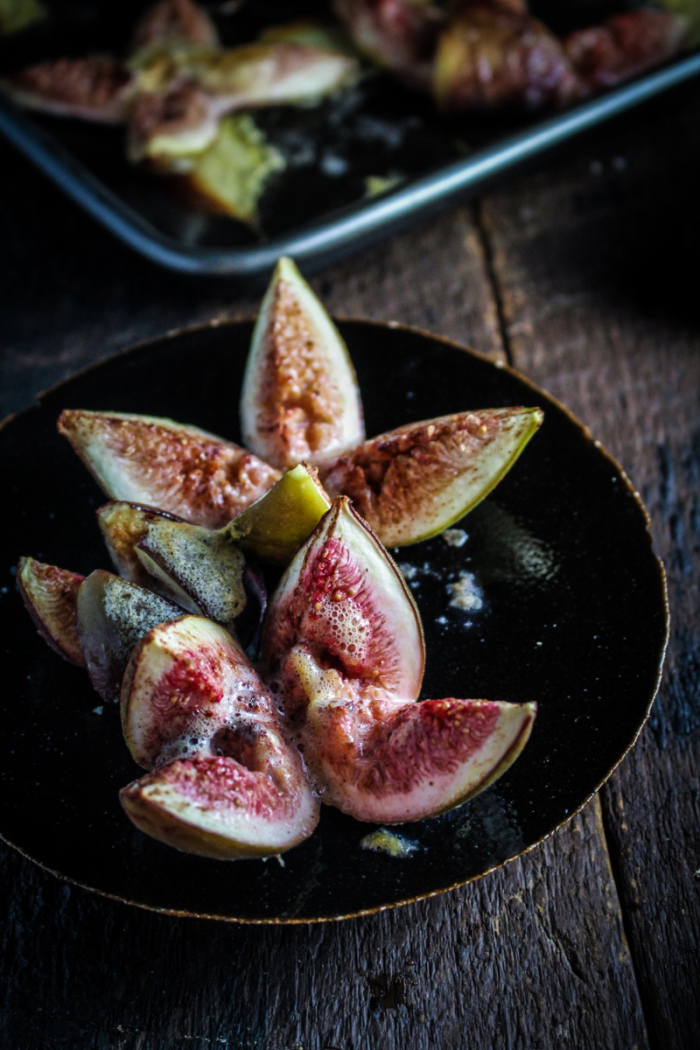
column 316, row 210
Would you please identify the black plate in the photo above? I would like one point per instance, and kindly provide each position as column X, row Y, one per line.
column 317, row 209
column 574, row 616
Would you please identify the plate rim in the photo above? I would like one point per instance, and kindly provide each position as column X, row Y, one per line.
column 215, row 323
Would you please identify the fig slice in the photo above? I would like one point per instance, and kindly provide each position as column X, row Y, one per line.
column 182, row 470
column 411, row 483
column 227, row 783
column 202, row 570
column 274, row 528
column 344, row 598
column 113, row 615
column 300, row 399
column 50, row 595
column 386, row 760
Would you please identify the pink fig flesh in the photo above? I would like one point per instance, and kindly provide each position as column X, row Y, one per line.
column 113, row 615
column 227, row 783
column 388, row 761
column 411, row 483
column 345, row 599
column 345, row 645
column 179, row 469
column 300, row 399
column 50, row 595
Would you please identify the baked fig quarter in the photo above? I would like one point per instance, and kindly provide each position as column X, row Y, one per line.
column 178, row 469
column 225, row 781
column 50, row 595
column 300, row 399
column 411, row 483
column 344, row 640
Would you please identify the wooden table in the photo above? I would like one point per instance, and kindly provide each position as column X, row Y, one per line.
column 584, row 275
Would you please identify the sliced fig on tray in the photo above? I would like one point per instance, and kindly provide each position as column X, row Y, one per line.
column 227, row 783
column 113, row 615
column 344, row 642
column 300, row 399
column 181, row 470
column 411, row 483
column 50, row 595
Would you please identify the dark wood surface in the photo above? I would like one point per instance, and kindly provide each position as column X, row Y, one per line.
column 583, row 274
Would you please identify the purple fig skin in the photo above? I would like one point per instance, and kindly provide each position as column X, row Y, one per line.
column 226, row 781
column 50, row 595
column 113, row 615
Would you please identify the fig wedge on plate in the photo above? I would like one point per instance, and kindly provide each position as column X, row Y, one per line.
column 113, row 615
column 388, row 760
column 345, row 599
column 300, row 399
column 122, row 526
column 179, row 469
column 344, row 642
column 275, row 527
column 227, row 783
column 50, row 595
column 411, row 483
column 205, row 572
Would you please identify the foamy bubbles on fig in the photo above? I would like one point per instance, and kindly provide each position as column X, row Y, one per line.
column 134, row 609
column 204, row 564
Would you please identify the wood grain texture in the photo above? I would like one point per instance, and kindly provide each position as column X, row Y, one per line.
column 535, row 955
column 523, row 958
column 599, row 307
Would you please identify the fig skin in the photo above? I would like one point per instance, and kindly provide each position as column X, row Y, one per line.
column 494, row 56
column 182, row 470
column 201, row 570
column 50, row 595
column 113, row 615
column 122, row 525
column 412, row 483
column 299, row 400
column 225, row 781
column 275, row 527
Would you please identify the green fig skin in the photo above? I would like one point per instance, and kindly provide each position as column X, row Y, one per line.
column 275, row 527
column 180, row 470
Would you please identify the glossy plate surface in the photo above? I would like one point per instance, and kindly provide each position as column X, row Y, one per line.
column 318, row 208
column 573, row 615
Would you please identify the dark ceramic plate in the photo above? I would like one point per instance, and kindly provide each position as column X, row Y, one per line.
column 317, row 209
column 574, row 616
